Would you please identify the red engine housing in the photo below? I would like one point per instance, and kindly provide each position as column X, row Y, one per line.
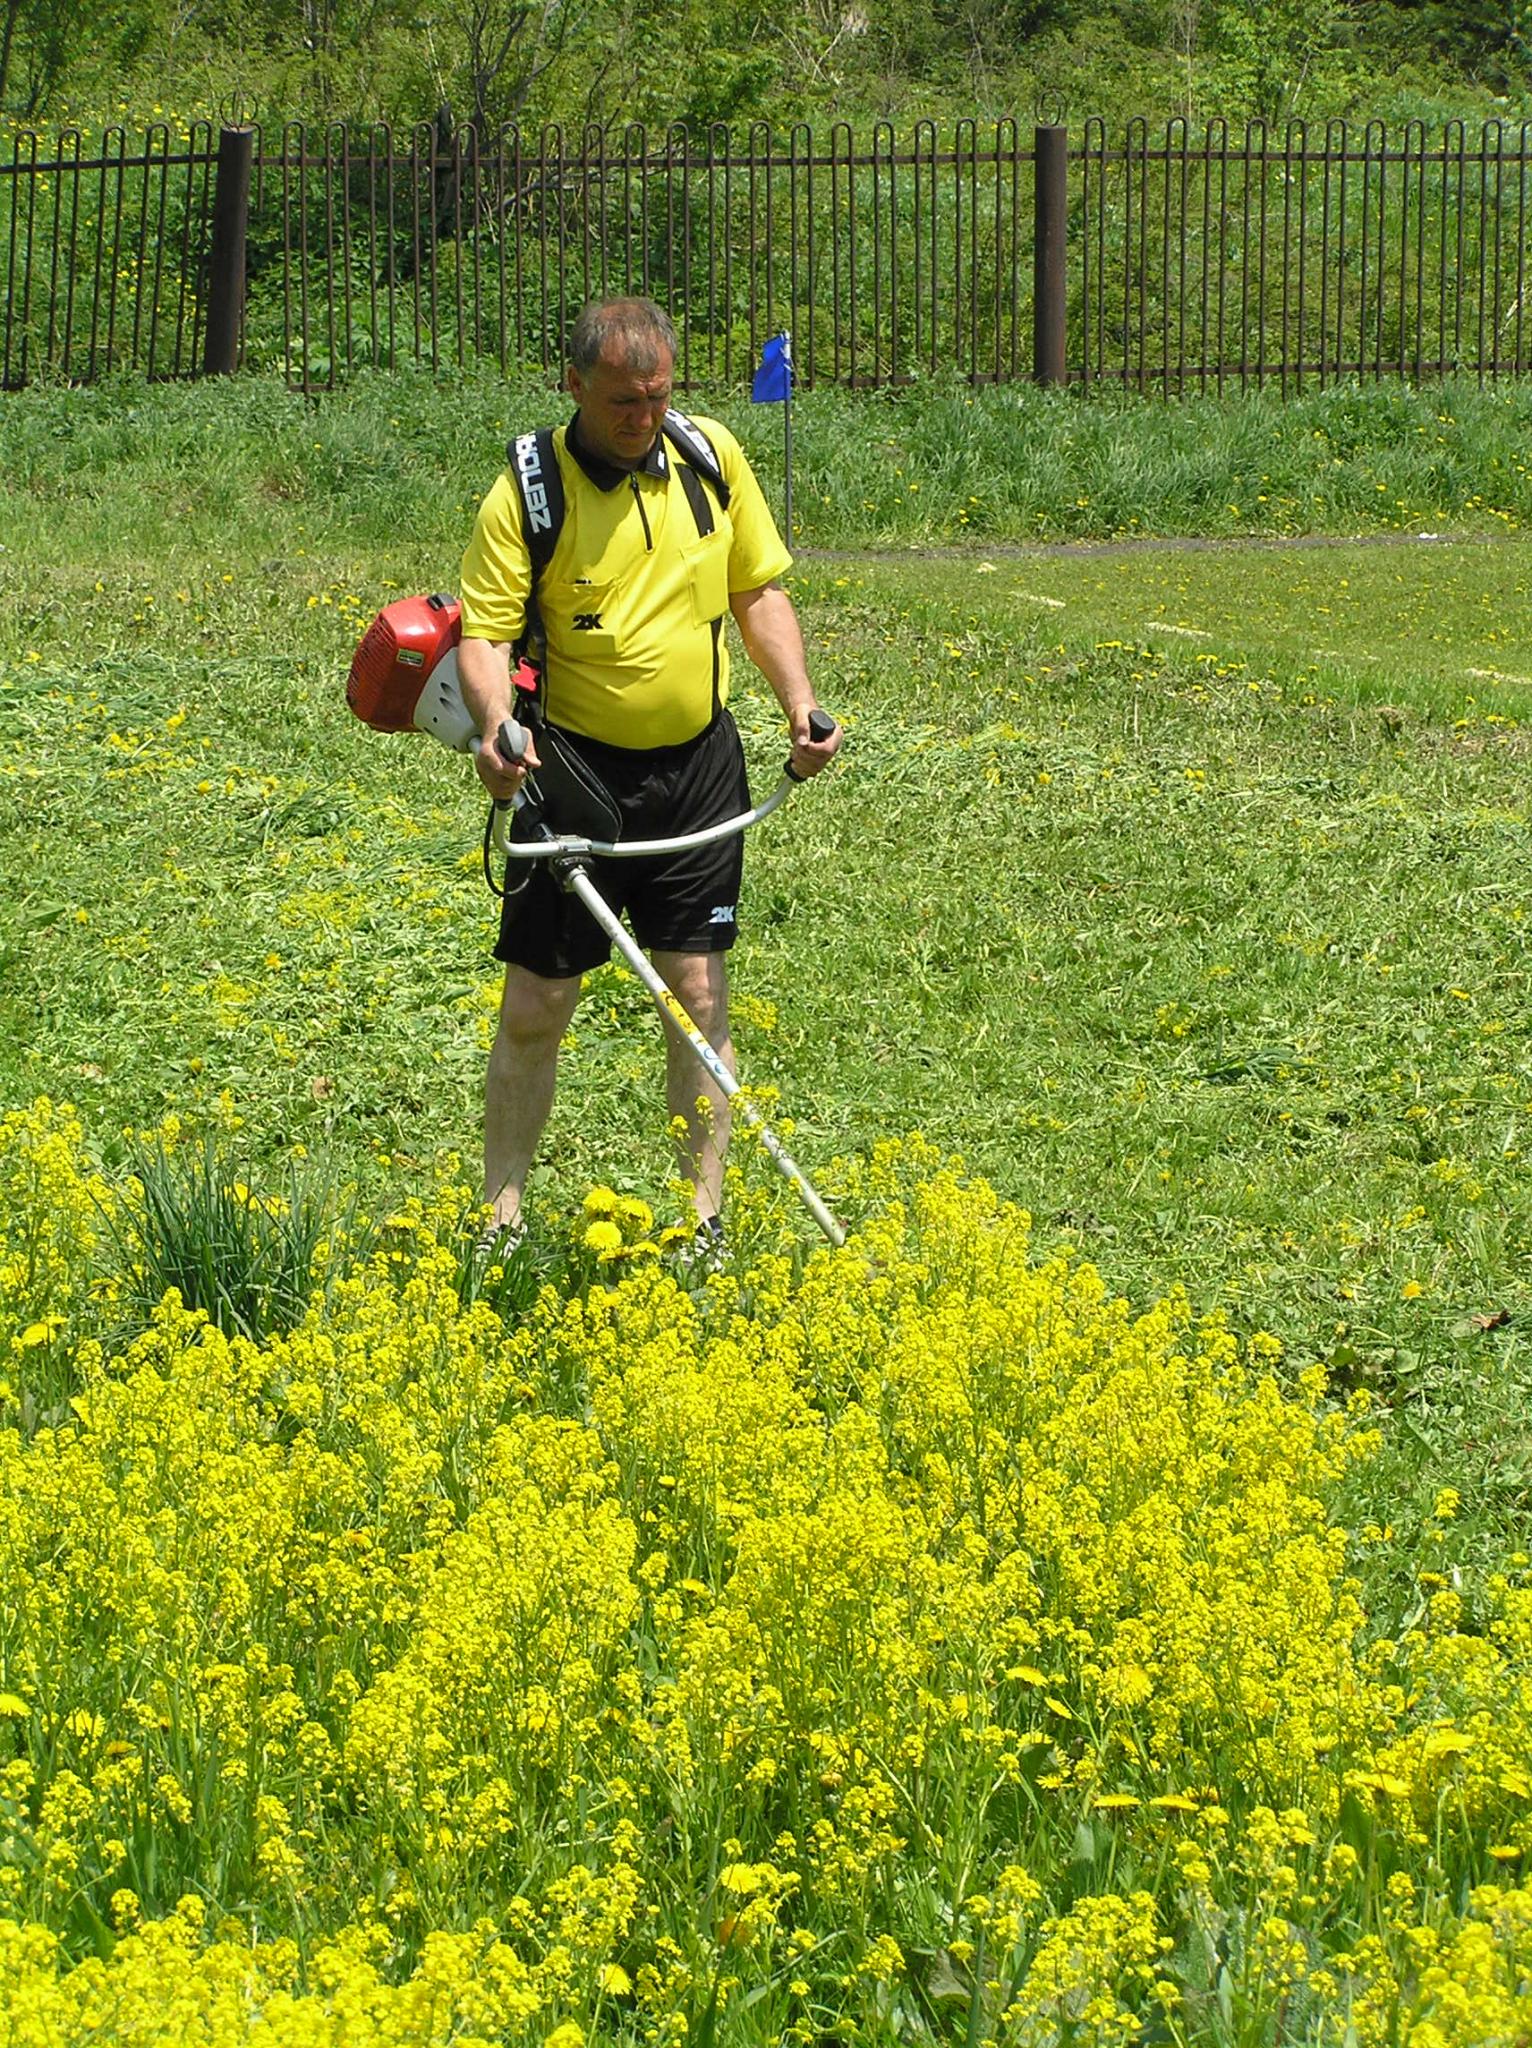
column 395, row 657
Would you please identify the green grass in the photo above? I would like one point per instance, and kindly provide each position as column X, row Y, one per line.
column 178, row 484
column 1181, row 891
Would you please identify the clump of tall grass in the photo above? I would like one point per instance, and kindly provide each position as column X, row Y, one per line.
column 1015, row 463
column 250, row 1261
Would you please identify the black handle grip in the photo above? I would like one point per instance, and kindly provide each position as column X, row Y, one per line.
column 821, row 725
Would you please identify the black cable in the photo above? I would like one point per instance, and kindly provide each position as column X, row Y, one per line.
column 499, row 888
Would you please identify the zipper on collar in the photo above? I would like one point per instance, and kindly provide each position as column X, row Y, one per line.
column 638, row 499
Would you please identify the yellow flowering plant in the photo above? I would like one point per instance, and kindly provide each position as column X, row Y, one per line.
column 910, row 1641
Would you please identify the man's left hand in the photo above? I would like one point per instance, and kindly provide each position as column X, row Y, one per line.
column 810, row 755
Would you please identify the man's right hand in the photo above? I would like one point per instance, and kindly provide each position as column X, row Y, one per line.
column 503, row 777
column 484, row 673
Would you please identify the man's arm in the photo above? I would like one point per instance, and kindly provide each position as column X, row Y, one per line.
column 484, row 670
column 768, row 625
column 494, row 585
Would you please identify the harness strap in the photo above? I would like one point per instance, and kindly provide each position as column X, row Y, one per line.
column 695, row 450
column 698, row 499
column 536, row 470
column 702, row 512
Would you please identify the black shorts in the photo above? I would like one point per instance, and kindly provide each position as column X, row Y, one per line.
column 675, row 903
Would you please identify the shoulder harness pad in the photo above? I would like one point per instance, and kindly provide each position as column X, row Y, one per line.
column 535, row 467
column 536, row 470
column 695, row 449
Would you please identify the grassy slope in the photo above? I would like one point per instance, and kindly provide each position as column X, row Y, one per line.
column 1206, row 943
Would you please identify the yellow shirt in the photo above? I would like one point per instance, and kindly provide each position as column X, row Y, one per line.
column 631, row 596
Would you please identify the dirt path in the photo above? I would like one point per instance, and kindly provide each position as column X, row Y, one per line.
column 1155, row 544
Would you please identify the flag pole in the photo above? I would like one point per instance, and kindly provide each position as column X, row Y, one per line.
column 787, row 442
column 773, row 385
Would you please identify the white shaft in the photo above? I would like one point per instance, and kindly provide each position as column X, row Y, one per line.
column 670, row 1006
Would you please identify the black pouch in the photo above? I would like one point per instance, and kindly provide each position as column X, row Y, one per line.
column 565, row 795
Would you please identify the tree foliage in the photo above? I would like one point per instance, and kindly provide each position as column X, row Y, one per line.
column 700, row 61
column 41, row 42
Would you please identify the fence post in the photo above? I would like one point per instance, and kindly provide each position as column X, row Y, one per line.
column 226, row 258
column 1050, row 204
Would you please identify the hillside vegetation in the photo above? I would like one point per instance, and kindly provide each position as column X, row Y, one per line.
column 660, row 61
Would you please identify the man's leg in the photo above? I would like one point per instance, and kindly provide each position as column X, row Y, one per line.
column 701, row 983
column 518, row 1091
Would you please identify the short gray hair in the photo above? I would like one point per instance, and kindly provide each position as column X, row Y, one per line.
column 643, row 330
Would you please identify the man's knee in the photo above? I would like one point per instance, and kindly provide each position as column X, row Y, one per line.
column 534, row 1012
column 701, row 985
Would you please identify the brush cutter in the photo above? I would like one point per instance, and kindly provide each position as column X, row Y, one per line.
column 404, row 678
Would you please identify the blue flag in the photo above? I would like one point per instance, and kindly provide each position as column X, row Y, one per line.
column 774, row 379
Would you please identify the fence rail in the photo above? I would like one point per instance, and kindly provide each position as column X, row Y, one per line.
column 1168, row 261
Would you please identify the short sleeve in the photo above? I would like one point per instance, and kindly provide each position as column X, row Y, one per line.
column 758, row 555
column 496, row 575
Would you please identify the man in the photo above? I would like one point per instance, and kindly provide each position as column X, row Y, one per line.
column 636, row 676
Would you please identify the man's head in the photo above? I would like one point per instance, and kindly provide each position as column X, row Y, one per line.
column 620, row 371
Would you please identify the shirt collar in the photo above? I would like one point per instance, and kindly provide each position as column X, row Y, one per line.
column 606, row 476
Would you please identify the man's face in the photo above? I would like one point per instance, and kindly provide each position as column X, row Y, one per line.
column 621, row 408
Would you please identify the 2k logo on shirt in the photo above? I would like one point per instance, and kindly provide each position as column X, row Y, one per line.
column 587, row 622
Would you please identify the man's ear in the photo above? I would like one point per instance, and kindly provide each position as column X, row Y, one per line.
column 573, row 385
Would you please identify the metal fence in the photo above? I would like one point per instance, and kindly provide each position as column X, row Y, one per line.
column 1166, row 260
column 1209, row 261
column 103, row 251
column 881, row 259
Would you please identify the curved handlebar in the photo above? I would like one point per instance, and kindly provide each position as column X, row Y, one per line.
column 512, row 740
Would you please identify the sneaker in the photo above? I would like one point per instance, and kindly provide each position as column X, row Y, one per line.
column 497, row 1242
column 704, row 1251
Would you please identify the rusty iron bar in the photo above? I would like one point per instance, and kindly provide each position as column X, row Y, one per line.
column 1093, row 281
column 196, row 235
column 18, row 253
column 1050, row 277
